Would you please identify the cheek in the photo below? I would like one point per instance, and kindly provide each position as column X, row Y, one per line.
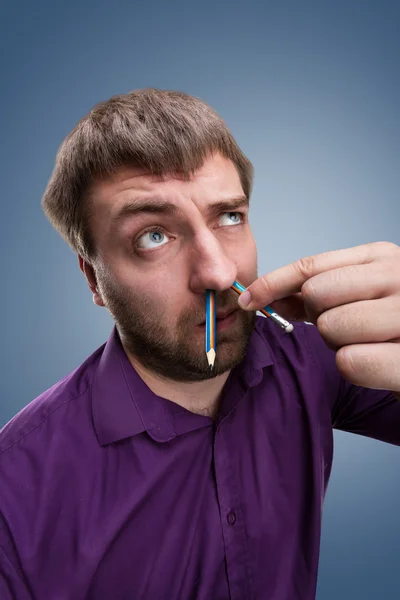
column 158, row 302
column 246, row 257
column 155, row 291
column 253, row 252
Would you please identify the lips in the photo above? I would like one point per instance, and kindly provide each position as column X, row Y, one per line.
column 221, row 314
column 224, row 314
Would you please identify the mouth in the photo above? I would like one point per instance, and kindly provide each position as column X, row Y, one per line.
column 224, row 314
column 224, row 318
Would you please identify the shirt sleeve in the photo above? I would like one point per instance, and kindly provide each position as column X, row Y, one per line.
column 368, row 412
column 12, row 586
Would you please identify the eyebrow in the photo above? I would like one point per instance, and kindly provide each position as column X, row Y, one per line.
column 159, row 206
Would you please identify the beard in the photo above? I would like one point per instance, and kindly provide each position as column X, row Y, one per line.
column 176, row 351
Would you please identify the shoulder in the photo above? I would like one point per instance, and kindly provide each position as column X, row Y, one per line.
column 48, row 411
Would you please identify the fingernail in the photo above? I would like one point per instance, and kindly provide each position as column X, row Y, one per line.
column 244, row 299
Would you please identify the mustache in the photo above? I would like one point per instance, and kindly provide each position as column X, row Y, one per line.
column 224, row 302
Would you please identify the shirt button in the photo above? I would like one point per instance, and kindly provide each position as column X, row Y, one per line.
column 231, row 517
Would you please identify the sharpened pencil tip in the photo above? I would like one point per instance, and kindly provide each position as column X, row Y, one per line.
column 211, row 357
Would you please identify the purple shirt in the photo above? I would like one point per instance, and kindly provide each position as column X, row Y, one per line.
column 111, row 492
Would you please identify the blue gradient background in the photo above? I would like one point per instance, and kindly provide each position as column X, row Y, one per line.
column 311, row 92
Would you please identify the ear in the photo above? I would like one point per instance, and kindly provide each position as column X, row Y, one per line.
column 90, row 275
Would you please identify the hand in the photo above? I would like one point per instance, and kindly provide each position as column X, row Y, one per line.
column 353, row 297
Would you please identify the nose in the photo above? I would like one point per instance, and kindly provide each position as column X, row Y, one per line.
column 211, row 267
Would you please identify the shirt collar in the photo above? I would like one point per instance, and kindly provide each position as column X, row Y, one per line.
column 124, row 406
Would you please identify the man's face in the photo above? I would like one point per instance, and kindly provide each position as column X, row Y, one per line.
column 156, row 261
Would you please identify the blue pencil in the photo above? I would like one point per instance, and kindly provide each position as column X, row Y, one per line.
column 211, row 324
column 267, row 310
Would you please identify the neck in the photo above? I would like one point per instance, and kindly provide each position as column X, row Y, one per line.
column 201, row 397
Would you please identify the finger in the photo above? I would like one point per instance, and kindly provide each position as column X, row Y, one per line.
column 343, row 285
column 371, row 365
column 368, row 321
column 289, row 280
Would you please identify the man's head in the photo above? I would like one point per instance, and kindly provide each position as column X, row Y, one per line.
column 151, row 191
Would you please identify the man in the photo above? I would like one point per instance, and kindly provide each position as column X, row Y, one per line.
column 143, row 474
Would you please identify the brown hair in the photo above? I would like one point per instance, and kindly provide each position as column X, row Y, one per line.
column 161, row 131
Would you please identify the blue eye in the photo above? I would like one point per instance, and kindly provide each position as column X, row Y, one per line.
column 235, row 218
column 152, row 239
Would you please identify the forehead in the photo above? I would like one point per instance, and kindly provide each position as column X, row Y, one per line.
column 216, row 179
